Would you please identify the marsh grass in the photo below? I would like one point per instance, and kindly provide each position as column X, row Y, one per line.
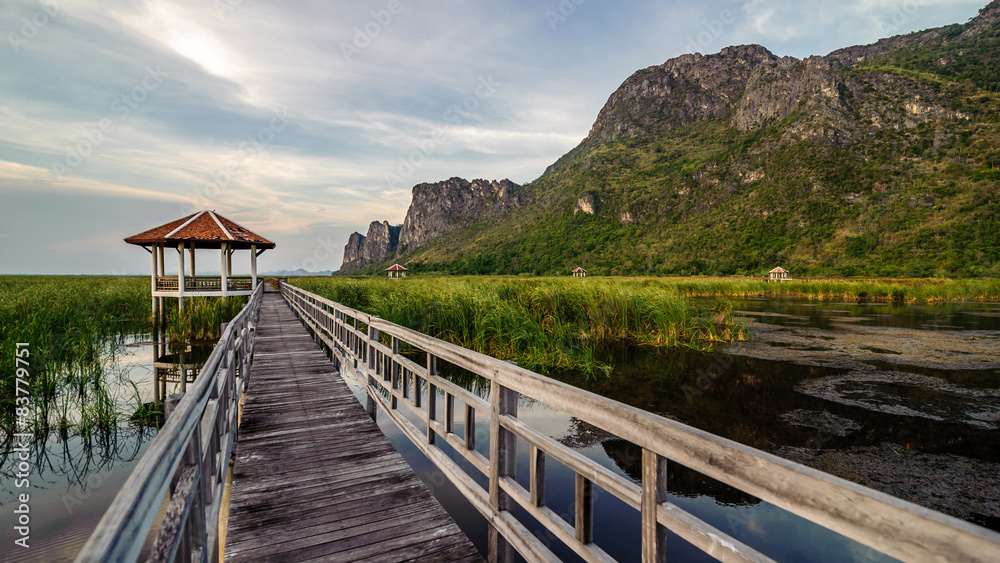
column 879, row 290
column 542, row 324
column 202, row 318
column 77, row 328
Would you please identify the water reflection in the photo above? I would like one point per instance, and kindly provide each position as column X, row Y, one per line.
column 829, row 315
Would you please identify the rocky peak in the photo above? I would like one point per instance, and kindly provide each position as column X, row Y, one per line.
column 435, row 209
column 380, row 244
column 988, row 19
column 682, row 90
column 440, row 207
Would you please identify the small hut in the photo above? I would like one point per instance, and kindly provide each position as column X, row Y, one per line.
column 396, row 271
column 205, row 230
column 779, row 274
column 579, row 273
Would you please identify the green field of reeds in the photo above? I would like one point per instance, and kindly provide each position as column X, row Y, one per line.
column 75, row 328
column 898, row 290
column 542, row 323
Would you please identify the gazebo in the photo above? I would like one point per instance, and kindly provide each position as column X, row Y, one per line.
column 202, row 230
column 396, row 271
column 779, row 274
column 579, row 273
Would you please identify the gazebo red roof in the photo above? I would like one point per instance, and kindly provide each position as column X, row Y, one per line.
column 778, row 270
column 205, row 229
column 579, row 270
column 395, row 268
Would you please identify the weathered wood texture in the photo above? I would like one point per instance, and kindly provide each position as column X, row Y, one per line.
column 315, row 478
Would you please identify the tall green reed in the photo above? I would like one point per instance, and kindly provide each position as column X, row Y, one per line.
column 543, row 324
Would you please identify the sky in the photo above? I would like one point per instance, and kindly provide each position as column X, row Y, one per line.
column 305, row 120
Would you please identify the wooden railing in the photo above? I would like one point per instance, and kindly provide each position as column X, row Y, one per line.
column 188, row 460
column 204, row 283
column 889, row 525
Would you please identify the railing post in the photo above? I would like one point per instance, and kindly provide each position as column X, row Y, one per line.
column 395, row 373
column 370, row 405
column 654, row 492
column 503, row 463
column 431, row 396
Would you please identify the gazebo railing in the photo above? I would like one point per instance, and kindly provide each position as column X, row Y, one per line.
column 188, row 460
column 205, row 283
column 395, row 382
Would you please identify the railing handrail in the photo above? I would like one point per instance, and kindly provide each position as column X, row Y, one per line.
column 892, row 526
column 190, row 456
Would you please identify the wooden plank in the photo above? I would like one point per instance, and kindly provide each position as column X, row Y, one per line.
column 314, row 476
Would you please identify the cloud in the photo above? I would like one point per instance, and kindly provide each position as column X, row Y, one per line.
column 205, row 136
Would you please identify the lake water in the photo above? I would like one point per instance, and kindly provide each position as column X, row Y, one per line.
column 757, row 402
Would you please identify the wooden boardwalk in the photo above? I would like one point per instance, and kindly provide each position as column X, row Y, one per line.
column 315, row 478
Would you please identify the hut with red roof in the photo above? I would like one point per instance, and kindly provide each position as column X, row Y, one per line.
column 579, row 273
column 396, row 271
column 202, row 230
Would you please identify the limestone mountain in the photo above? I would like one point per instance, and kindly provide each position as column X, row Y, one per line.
column 435, row 210
column 873, row 160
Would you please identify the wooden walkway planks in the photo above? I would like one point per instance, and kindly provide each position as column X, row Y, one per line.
column 315, row 478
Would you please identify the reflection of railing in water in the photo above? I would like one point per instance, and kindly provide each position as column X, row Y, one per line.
column 188, row 459
column 889, row 525
column 204, row 283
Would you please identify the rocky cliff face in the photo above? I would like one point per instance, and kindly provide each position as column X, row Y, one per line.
column 680, row 91
column 751, row 88
column 380, row 243
column 441, row 207
column 434, row 210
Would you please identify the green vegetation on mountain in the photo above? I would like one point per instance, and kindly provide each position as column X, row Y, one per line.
column 879, row 160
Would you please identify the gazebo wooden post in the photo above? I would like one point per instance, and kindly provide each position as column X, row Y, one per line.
column 161, row 271
column 253, row 266
column 191, row 250
column 222, row 265
column 229, row 260
column 152, row 279
column 180, row 276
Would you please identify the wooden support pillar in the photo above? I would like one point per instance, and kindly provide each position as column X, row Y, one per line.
column 152, row 280
column 161, row 249
column 229, row 261
column 222, row 268
column 180, row 277
column 191, row 250
column 253, row 266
